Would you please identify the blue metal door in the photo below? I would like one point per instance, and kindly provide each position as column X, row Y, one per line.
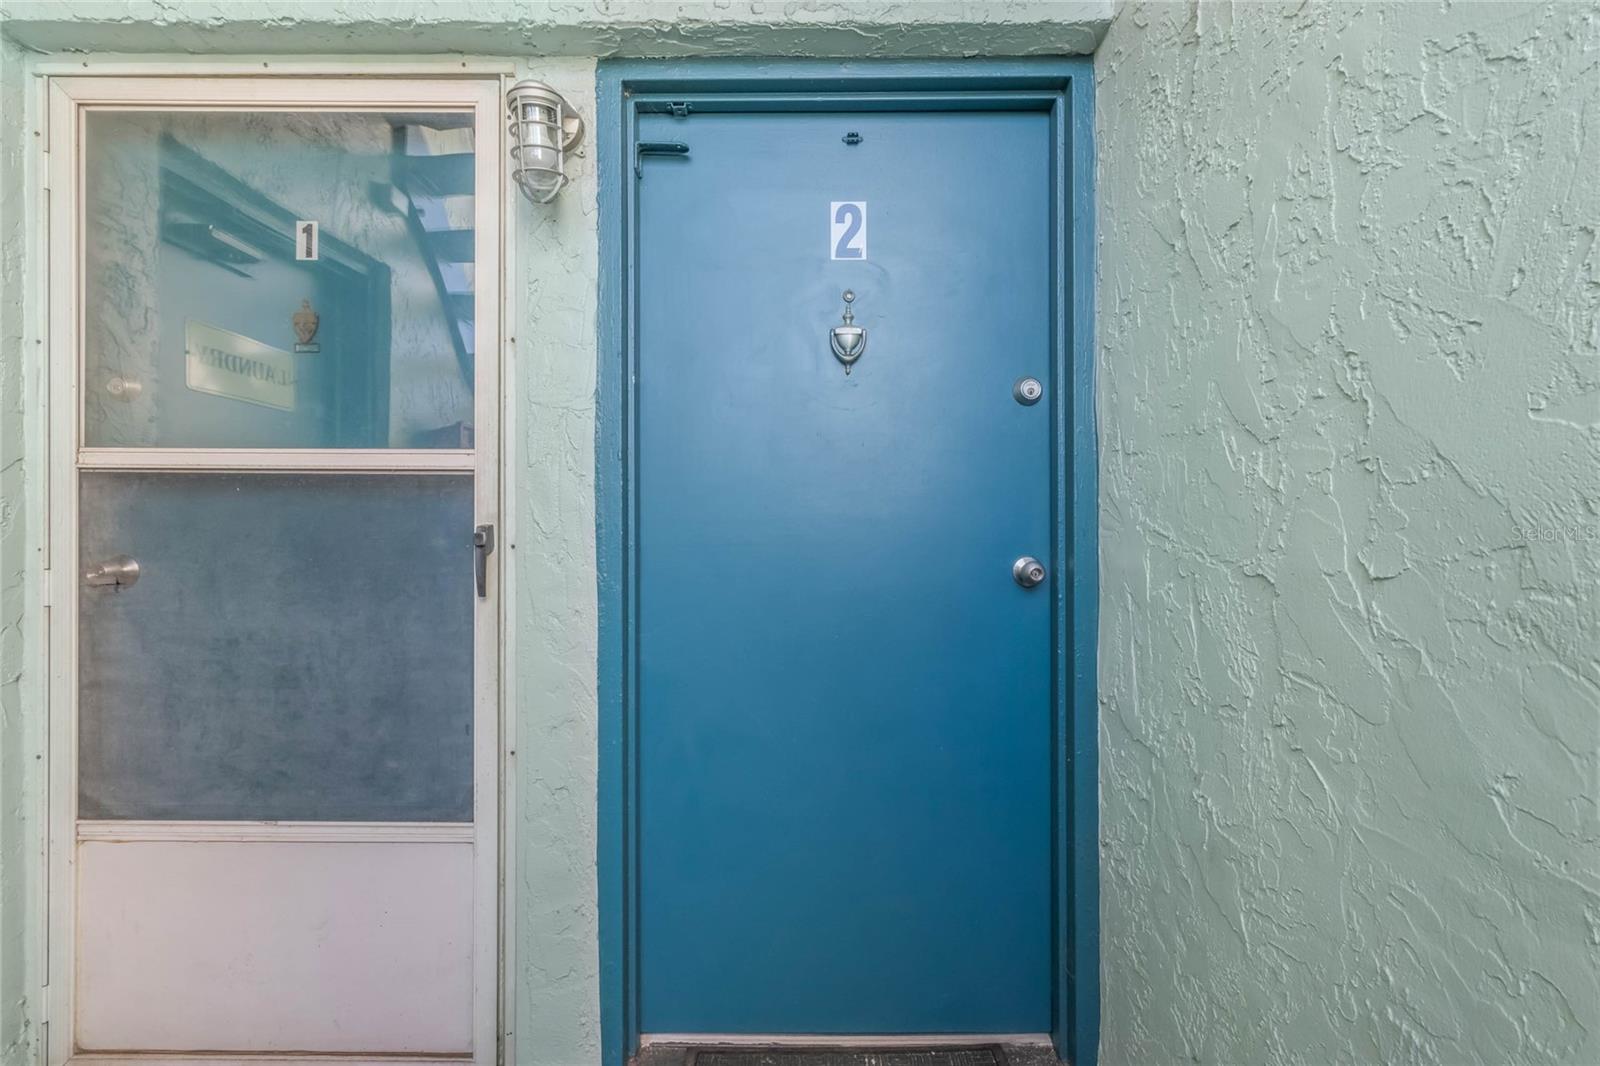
column 844, row 699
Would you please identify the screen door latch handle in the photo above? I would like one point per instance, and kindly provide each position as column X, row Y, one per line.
column 119, row 571
column 482, row 545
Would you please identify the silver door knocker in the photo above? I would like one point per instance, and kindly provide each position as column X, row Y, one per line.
column 848, row 339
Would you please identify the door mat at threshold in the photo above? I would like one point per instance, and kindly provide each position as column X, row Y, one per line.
column 969, row 1055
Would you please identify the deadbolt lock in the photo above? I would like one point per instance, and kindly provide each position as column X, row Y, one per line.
column 1027, row 391
column 1028, row 571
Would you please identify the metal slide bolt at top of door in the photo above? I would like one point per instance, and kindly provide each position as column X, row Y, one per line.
column 1028, row 571
column 848, row 339
column 119, row 571
column 644, row 148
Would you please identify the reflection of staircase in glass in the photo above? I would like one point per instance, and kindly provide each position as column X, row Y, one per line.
column 433, row 187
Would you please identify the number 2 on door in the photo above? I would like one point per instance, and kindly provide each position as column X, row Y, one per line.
column 847, row 229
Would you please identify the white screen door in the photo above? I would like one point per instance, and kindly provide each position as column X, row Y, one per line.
column 275, row 750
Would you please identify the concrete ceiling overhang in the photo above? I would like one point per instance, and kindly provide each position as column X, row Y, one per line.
column 653, row 28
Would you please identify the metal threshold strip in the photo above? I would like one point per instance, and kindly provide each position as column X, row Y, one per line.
column 771, row 1055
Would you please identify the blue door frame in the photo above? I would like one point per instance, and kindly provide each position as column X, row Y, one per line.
column 1062, row 87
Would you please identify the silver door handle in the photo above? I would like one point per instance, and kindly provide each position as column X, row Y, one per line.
column 121, row 571
column 1027, row 571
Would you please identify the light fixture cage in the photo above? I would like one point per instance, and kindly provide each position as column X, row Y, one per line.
column 544, row 128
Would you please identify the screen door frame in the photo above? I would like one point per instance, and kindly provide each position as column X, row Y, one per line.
column 67, row 99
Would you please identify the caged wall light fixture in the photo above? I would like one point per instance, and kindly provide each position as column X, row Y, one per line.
column 544, row 128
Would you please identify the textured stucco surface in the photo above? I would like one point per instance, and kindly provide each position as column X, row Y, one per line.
column 21, row 717
column 556, row 609
column 570, row 28
column 1349, row 380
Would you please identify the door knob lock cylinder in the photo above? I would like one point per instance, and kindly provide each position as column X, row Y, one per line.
column 1028, row 571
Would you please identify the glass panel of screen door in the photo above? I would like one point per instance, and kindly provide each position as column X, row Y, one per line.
column 278, row 280
column 295, row 647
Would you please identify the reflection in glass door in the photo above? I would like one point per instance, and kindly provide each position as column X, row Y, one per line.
column 283, row 774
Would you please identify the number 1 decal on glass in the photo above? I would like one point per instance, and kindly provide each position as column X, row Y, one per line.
column 847, row 229
column 305, row 239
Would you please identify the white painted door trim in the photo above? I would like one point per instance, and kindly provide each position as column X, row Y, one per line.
column 70, row 89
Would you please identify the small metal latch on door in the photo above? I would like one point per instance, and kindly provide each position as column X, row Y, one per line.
column 482, row 545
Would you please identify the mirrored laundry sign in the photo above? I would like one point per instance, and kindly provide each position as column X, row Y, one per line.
column 221, row 363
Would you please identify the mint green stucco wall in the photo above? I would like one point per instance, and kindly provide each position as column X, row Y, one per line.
column 21, row 714
column 1350, row 435
column 1350, row 661
column 555, row 611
